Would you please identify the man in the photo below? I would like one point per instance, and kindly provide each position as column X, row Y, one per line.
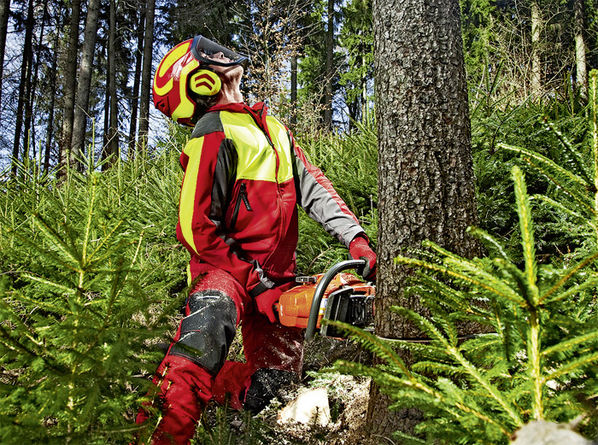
column 244, row 176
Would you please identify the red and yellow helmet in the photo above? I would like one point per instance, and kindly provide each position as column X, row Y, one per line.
column 182, row 78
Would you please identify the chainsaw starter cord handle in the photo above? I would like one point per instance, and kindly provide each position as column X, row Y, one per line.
column 321, row 288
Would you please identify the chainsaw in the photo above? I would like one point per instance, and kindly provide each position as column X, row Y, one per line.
column 333, row 295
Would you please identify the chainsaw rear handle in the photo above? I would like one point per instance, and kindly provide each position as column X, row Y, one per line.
column 321, row 288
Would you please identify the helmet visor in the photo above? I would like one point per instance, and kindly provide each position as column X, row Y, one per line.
column 202, row 48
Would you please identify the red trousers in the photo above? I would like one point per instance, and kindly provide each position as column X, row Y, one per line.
column 195, row 370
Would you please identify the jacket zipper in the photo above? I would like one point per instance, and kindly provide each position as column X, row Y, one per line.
column 242, row 197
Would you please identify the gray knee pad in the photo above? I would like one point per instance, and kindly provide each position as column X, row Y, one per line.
column 208, row 331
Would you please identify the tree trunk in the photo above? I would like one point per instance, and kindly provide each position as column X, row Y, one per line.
column 329, row 66
column 112, row 147
column 536, row 81
column 50, row 126
column 136, row 84
column 581, row 74
column 148, row 42
column 4, row 13
column 29, row 136
column 69, row 86
column 24, row 84
column 84, row 80
column 426, row 181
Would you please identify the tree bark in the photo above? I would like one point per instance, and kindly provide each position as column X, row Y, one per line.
column 24, row 85
column 426, row 180
column 84, row 81
column 329, row 66
column 581, row 74
column 536, row 22
column 50, row 126
column 148, row 42
column 136, row 84
column 29, row 135
column 4, row 13
column 112, row 146
column 69, row 87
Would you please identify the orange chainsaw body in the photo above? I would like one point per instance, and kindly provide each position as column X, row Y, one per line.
column 294, row 305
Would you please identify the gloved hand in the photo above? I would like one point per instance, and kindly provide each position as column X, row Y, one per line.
column 265, row 302
column 360, row 249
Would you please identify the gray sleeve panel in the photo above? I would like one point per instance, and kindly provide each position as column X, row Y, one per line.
column 209, row 123
column 224, row 179
column 208, row 331
column 321, row 206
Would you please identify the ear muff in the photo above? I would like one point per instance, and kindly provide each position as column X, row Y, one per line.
column 205, row 83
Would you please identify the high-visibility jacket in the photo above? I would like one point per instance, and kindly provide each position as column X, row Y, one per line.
column 244, row 176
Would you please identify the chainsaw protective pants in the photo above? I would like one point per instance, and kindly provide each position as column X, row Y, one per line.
column 195, row 367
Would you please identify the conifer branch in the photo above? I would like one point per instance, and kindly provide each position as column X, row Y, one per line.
column 527, row 235
column 453, row 351
column 548, row 162
column 563, row 208
column 505, row 291
column 571, row 366
column 567, row 345
column 568, row 275
column 52, row 236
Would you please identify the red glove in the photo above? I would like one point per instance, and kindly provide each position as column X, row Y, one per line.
column 265, row 302
column 360, row 249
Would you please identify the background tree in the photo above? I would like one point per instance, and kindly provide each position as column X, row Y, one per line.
column 425, row 170
column 4, row 12
column 69, row 83
column 146, row 73
column 84, row 81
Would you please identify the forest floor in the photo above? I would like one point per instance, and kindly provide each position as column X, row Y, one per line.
column 347, row 398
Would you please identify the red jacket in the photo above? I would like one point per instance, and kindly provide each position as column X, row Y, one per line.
column 244, row 176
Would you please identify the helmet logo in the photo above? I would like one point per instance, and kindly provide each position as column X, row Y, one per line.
column 205, row 83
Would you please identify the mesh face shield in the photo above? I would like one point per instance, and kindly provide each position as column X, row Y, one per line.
column 203, row 46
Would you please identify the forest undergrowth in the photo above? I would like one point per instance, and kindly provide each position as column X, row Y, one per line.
column 92, row 279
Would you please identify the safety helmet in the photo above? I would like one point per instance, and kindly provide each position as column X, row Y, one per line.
column 183, row 79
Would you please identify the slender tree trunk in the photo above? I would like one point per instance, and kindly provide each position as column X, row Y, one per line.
column 29, row 136
column 50, row 126
column 293, row 90
column 112, row 147
column 84, row 80
column 69, row 86
column 136, row 84
column 24, row 85
column 536, row 20
column 4, row 13
column 106, row 103
column 148, row 42
column 329, row 66
column 580, row 49
column 425, row 168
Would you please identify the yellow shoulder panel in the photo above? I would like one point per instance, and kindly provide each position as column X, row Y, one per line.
column 257, row 159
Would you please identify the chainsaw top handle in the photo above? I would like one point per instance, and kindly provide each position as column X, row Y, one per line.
column 321, row 288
